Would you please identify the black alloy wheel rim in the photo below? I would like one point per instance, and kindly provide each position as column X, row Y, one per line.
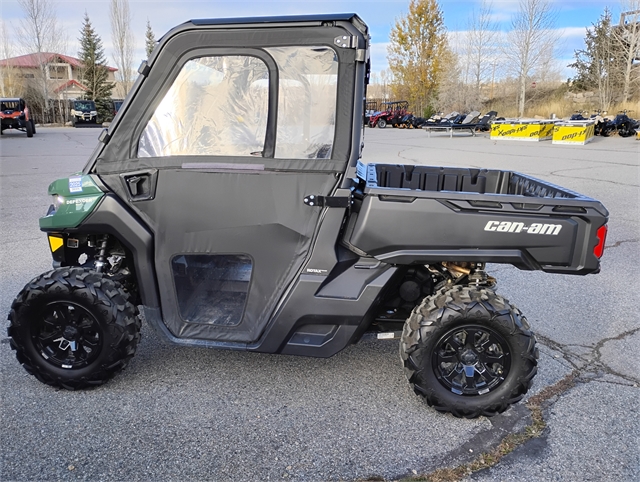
column 68, row 335
column 471, row 360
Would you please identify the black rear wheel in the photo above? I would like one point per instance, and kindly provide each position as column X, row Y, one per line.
column 73, row 328
column 33, row 126
column 469, row 352
column 29, row 128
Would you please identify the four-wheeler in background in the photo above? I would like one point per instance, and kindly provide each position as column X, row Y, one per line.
column 265, row 232
column 392, row 112
column 14, row 114
column 371, row 108
column 83, row 112
column 621, row 124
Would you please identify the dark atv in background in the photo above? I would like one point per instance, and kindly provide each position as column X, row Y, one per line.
column 621, row 124
column 267, row 233
column 83, row 112
column 14, row 114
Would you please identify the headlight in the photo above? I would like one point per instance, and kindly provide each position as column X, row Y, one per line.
column 57, row 201
column 94, row 112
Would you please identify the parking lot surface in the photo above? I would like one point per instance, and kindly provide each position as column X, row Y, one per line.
column 196, row 414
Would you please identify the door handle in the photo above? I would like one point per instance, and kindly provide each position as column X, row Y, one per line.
column 133, row 183
column 140, row 185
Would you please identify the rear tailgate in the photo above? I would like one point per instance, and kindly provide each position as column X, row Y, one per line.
column 424, row 214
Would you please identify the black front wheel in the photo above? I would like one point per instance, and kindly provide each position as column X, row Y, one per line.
column 73, row 328
column 468, row 351
column 29, row 129
column 382, row 123
column 33, row 125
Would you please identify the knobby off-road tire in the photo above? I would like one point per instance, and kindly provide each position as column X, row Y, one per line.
column 382, row 123
column 469, row 352
column 33, row 125
column 29, row 128
column 73, row 328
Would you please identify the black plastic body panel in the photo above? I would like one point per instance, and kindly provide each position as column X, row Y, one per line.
column 430, row 214
column 341, row 317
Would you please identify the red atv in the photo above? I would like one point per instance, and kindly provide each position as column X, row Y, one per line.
column 14, row 114
column 391, row 114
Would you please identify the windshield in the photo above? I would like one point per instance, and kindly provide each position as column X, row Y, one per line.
column 84, row 105
column 10, row 105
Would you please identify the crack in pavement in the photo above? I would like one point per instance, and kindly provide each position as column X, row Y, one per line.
column 592, row 179
column 532, row 417
column 73, row 140
column 593, row 360
column 618, row 243
column 607, row 369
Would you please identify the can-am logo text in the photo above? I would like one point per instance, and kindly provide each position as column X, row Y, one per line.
column 535, row 228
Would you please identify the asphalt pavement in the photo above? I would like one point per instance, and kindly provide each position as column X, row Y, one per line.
column 195, row 414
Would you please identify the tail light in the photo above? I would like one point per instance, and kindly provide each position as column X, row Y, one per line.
column 601, row 233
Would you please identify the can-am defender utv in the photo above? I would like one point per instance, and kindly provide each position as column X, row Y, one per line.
column 228, row 202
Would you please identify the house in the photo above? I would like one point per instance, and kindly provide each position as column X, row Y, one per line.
column 62, row 71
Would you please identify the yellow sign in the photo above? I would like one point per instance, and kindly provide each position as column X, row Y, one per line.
column 577, row 134
column 522, row 131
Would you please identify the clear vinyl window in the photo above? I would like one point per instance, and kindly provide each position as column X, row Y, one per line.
column 212, row 289
column 306, row 101
column 218, row 106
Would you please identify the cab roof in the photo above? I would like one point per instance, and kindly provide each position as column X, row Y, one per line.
column 325, row 17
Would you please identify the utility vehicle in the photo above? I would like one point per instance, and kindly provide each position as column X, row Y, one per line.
column 83, row 112
column 229, row 204
column 14, row 114
column 391, row 114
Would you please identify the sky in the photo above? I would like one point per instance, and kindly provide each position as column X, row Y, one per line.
column 573, row 16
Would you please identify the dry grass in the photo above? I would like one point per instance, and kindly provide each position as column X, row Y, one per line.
column 508, row 444
column 562, row 108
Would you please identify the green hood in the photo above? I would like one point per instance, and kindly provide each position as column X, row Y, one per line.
column 75, row 198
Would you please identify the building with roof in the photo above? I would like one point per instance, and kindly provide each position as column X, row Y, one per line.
column 62, row 73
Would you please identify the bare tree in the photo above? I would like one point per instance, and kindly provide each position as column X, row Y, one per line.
column 39, row 34
column 481, row 45
column 9, row 82
column 530, row 42
column 455, row 92
column 122, row 39
column 627, row 39
column 386, row 79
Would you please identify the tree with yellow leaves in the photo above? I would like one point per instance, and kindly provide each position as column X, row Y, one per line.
column 418, row 54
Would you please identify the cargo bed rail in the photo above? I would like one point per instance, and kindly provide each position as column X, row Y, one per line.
column 456, row 179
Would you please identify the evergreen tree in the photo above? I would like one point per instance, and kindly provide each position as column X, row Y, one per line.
column 150, row 39
column 95, row 75
column 418, row 53
column 598, row 65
